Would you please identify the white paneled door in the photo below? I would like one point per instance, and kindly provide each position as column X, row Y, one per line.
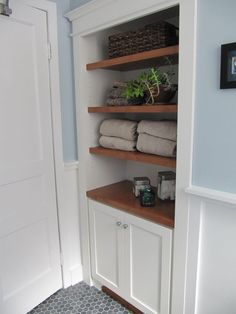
column 30, row 268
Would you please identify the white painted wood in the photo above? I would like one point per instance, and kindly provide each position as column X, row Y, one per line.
column 148, row 262
column 217, row 259
column 71, row 165
column 211, row 261
column 72, row 262
column 30, row 257
column 107, row 239
column 186, row 101
column 94, row 16
column 69, row 275
column 94, row 171
column 132, row 257
column 211, row 194
column 51, row 10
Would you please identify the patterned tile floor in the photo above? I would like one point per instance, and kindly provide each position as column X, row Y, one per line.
column 79, row 299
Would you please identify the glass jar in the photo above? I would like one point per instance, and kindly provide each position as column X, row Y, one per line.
column 147, row 197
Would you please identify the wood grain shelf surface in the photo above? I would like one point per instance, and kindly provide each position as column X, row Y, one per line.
column 156, row 108
column 120, row 196
column 135, row 156
column 134, row 61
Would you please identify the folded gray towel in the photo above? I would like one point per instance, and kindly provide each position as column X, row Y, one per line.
column 163, row 129
column 125, row 129
column 156, row 145
column 117, row 143
column 117, row 102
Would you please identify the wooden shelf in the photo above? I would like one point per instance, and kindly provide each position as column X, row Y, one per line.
column 156, row 108
column 120, row 195
column 135, row 156
column 134, row 61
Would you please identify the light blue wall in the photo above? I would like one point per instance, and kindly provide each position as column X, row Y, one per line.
column 66, row 78
column 66, row 82
column 214, row 164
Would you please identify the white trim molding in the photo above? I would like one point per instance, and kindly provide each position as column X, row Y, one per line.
column 96, row 12
column 211, row 194
column 71, row 165
column 86, row 9
column 70, row 221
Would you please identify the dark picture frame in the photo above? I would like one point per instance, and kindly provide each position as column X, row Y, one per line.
column 228, row 66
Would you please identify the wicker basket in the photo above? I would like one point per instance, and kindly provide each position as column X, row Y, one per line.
column 150, row 37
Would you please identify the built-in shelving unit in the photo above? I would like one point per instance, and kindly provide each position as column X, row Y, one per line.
column 117, row 231
column 135, row 156
column 156, row 108
column 120, row 195
column 134, row 61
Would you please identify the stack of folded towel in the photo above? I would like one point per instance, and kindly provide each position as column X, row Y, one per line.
column 115, row 96
column 118, row 134
column 157, row 137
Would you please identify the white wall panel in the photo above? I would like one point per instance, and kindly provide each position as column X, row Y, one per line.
column 216, row 291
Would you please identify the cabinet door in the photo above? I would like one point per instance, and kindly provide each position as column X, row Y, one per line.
column 106, row 239
column 148, row 257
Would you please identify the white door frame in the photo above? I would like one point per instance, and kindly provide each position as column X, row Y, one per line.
column 91, row 18
column 51, row 9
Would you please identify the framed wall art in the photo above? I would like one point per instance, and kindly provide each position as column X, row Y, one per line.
column 228, row 66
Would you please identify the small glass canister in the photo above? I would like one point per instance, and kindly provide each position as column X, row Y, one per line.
column 147, row 197
column 139, row 184
column 166, row 185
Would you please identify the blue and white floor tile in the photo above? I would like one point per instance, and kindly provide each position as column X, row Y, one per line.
column 79, row 299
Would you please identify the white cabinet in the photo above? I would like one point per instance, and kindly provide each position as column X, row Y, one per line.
column 132, row 257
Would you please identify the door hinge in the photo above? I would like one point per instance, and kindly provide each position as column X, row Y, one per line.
column 4, row 8
column 62, row 258
column 49, row 51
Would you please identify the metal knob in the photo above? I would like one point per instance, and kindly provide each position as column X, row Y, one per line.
column 118, row 223
column 125, row 226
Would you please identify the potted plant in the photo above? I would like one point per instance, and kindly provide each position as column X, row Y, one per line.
column 152, row 86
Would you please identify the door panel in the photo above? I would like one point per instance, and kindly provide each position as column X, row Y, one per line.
column 30, row 268
column 106, row 239
column 145, row 254
column 148, row 256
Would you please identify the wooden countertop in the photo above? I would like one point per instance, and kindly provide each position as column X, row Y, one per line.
column 120, row 196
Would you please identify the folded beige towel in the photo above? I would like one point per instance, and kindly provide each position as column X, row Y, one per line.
column 125, row 129
column 163, row 129
column 156, row 145
column 117, row 143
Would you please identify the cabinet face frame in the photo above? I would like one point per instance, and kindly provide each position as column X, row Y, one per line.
column 92, row 18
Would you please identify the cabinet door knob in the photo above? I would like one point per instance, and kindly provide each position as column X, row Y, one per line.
column 125, row 226
column 118, row 223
